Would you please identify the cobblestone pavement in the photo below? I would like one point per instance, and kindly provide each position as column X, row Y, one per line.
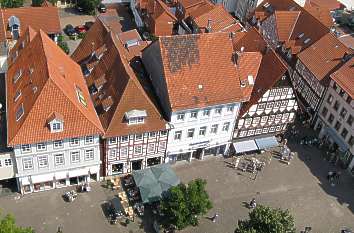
column 301, row 187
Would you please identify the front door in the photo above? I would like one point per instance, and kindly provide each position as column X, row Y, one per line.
column 197, row 154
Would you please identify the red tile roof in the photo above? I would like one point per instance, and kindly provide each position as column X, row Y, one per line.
column 44, row 18
column 121, row 90
column 322, row 57
column 322, row 14
column 49, row 83
column 270, row 70
column 192, row 78
column 132, row 36
column 344, row 77
column 286, row 21
column 327, row 4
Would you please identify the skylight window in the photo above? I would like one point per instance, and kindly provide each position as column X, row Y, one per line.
column 81, row 97
column 307, row 40
column 19, row 113
column 17, row 95
column 301, row 35
column 17, row 75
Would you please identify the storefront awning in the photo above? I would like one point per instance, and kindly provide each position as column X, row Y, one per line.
column 245, row 146
column 42, row 178
column 333, row 134
column 24, row 180
column 61, row 175
column 94, row 169
column 78, row 172
column 265, row 143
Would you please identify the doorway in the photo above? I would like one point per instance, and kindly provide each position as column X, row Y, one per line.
column 137, row 165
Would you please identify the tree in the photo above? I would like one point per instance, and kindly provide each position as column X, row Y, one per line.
column 11, row 3
column 267, row 220
column 88, row 6
column 7, row 225
column 184, row 203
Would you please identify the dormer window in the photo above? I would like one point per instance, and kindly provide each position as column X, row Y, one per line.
column 81, row 97
column 136, row 116
column 56, row 123
column 17, row 76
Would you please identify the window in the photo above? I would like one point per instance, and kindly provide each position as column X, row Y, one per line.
column 341, row 92
column 337, row 125
column 58, row 144
column 19, row 113
column 138, row 149
column 138, row 136
column 41, row 146
column 124, row 138
column 81, row 97
column 124, row 151
column 42, row 161
column 206, row 112
column 350, row 120
column 163, row 133
column 74, row 141
column 261, row 106
column 59, row 159
column 178, row 135
column 214, row 129
column 17, row 95
column 8, row 162
column 348, row 100
column 218, row 111
column 344, row 133
column 0, row 164
column 152, row 134
column 194, row 114
column 112, row 154
column 151, row 147
column 264, row 119
column 162, row 146
column 202, row 131
column 136, row 120
column 230, row 108
column 112, row 140
column 330, row 118
column 25, row 148
column 336, row 105
column 226, row 126
column 330, row 99
column 17, row 75
column 343, row 112
column 57, row 126
column 27, row 163
column 88, row 139
column 180, row 116
column 324, row 112
column 89, row 154
column 75, row 156
column 351, row 141
column 190, row 133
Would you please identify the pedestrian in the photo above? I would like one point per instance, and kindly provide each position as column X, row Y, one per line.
column 215, row 217
column 60, row 229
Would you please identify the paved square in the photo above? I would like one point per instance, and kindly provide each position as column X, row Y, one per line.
column 301, row 186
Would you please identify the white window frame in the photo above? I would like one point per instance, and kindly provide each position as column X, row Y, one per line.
column 112, row 140
column 206, row 112
column 226, row 126
column 124, row 138
column 194, row 114
column 214, row 129
column 75, row 153
column 218, row 111
column 57, row 126
column 190, row 131
column 139, row 137
column 124, row 151
column 41, row 146
column 152, row 135
column 202, row 131
column 89, row 139
column 178, row 135
column 58, row 142
column 112, row 154
column 136, row 120
column 26, row 148
column 89, row 154
column 56, row 159
column 230, row 108
column 162, row 145
column 136, row 151
column 41, row 159
column 8, row 162
column 180, row 116
column 20, row 112
column 151, row 147
column 27, row 163
column 75, row 141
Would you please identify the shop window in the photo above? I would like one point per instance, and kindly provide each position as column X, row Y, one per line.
column 117, row 168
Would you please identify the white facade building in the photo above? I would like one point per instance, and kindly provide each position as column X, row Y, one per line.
column 7, row 165
column 56, row 164
column 196, row 133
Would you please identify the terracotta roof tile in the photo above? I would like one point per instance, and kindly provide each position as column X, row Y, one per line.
column 137, row 44
column 122, row 91
column 192, row 78
column 199, row 9
column 327, row 4
column 323, row 56
column 286, row 21
column 270, row 70
column 49, row 83
column 322, row 14
column 189, row 3
column 44, row 18
column 344, row 77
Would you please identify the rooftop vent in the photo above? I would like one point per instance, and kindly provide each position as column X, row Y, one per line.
column 250, row 79
column 133, row 42
column 208, row 27
column 34, row 89
column 200, row 87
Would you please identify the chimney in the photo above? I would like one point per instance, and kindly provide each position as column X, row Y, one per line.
column 208, row 28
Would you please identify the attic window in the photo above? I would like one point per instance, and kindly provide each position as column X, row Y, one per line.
column 17, row 75
column 81, row 97
column 17, row 95
column 133, row 42
column 307, row 40
column 250, row 79
column 19, row 113
column 56, row 123
column 136, row 116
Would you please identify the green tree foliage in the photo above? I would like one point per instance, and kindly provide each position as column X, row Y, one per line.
column 64, row 46
column 184, row 203
column 7, row 225
column 11, row 3
column 267, row 220
column 89, row 6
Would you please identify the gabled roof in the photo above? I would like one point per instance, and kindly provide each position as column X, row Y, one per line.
column 344, row 77
column 121, row 91
column 270, row 70
column 192, row 78
column 321, row 13
column 44, row 18
column 327, row 4
column 322, row 57
column 189, row 3
column 133, row 43
column 156, row 8
column 49, row 82
column 286, row 21
column 218, row 16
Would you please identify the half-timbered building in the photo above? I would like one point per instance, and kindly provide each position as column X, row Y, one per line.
column 135, row 133
column 272, row 106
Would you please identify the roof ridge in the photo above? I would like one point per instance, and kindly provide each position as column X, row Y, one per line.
column 292, row 30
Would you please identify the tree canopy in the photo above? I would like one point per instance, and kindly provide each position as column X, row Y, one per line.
column 7, row 225
column 184, row 203
column 89, row 6
column 264, row 219
column 11, row 3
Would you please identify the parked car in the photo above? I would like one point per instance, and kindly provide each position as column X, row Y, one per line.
column 88, row 25
column 80, row 29
column 102, row 8
column 70, row 30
